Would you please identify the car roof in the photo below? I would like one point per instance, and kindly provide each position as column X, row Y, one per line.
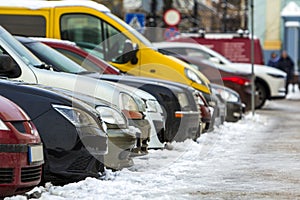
column 54, row 40
column 178, row 44
column 34, row 4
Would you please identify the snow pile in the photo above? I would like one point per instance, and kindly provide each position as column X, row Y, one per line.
column 166, row 174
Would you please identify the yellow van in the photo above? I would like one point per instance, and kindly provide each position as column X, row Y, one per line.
column 93, row 27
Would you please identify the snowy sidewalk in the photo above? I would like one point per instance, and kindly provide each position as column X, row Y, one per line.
column 235, row 161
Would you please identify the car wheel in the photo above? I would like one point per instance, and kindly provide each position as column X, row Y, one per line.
column 262, row 95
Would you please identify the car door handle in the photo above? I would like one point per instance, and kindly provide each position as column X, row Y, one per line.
column 152, row 70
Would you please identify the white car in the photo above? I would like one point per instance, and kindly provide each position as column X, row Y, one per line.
column 269, row 82
column 30, row 69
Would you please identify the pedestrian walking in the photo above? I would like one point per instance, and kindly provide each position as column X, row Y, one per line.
column 272, row 62
column 286, row 64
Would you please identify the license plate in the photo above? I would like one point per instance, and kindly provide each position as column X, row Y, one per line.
column 35, row 153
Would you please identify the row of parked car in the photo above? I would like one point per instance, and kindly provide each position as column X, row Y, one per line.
column 97, row 100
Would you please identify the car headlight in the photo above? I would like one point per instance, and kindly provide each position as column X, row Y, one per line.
column 227, row 95
column 3, row 127
column 193, row 76
column 151, row 106
column 129, row 107
column 111, row 117
column 76, row 116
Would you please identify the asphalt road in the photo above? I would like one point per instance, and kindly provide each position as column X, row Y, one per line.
column 268, row 164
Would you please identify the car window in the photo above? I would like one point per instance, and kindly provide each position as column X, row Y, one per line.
column 14, row 72
column 178, row 51
column 94, row 35
column 190, row 52
column 52, row 57
column 85, row 63
column 19, row 49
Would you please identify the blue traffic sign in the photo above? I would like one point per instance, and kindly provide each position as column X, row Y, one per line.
column 171, row 32
column 136, row 20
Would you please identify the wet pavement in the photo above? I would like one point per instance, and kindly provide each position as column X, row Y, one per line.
column 266, row 164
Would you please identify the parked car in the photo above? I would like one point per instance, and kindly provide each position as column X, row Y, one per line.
column 121, row 136
column 78, row 55
column 107, row 36
column 72, row 133
column 236, row 47
column 159, row 91
column 21, row 150
column 269, row 82
column 238, row 81
column 235, row 109
column 30, row 69
column 61, row 63
column 183, row 119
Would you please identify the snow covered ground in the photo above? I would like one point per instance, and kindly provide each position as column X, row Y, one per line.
column 214, row 167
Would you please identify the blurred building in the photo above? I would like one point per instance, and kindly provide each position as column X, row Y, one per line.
column 277, row 24
column 211, row 15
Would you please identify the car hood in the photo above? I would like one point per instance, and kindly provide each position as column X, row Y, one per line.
column 9, row 111
column 246, row 67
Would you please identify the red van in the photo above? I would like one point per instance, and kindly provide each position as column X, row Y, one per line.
column 235, row 47
column 21, row 151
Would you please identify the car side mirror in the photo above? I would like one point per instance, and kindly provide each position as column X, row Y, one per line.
column 7, row 65
column 129, row 53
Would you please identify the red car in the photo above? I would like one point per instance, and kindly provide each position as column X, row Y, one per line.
column 71, row 50
column 21, row 151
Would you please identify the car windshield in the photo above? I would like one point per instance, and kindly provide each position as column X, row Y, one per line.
column 215, row 54
column 52, row 57
column 22, row 51
column 132, row 30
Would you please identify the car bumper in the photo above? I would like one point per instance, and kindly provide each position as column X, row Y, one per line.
column 94, row 140
column 120, row 144
column 83, row 159
column 17, row 175
column 244, row 91
column 156, row 120
column 143, row 125
column 235, row 111
column 277, row 87
column 189, row 125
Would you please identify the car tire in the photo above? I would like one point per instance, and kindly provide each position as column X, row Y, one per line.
column 261, row 90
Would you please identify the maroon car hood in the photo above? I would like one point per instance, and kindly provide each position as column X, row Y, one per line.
column 9, row 111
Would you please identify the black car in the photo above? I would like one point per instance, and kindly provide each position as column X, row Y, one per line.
column 235, row 109
column 121, row 137
column 73, row 134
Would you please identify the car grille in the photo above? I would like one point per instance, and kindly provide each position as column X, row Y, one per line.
column 29, row 174
column 6, row 175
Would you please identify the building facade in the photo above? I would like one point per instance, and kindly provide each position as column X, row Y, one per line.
column 277, row 24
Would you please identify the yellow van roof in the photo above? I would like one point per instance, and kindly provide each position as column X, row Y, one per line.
column 37, row 4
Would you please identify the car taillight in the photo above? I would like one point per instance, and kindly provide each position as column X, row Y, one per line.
column 237, row 80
